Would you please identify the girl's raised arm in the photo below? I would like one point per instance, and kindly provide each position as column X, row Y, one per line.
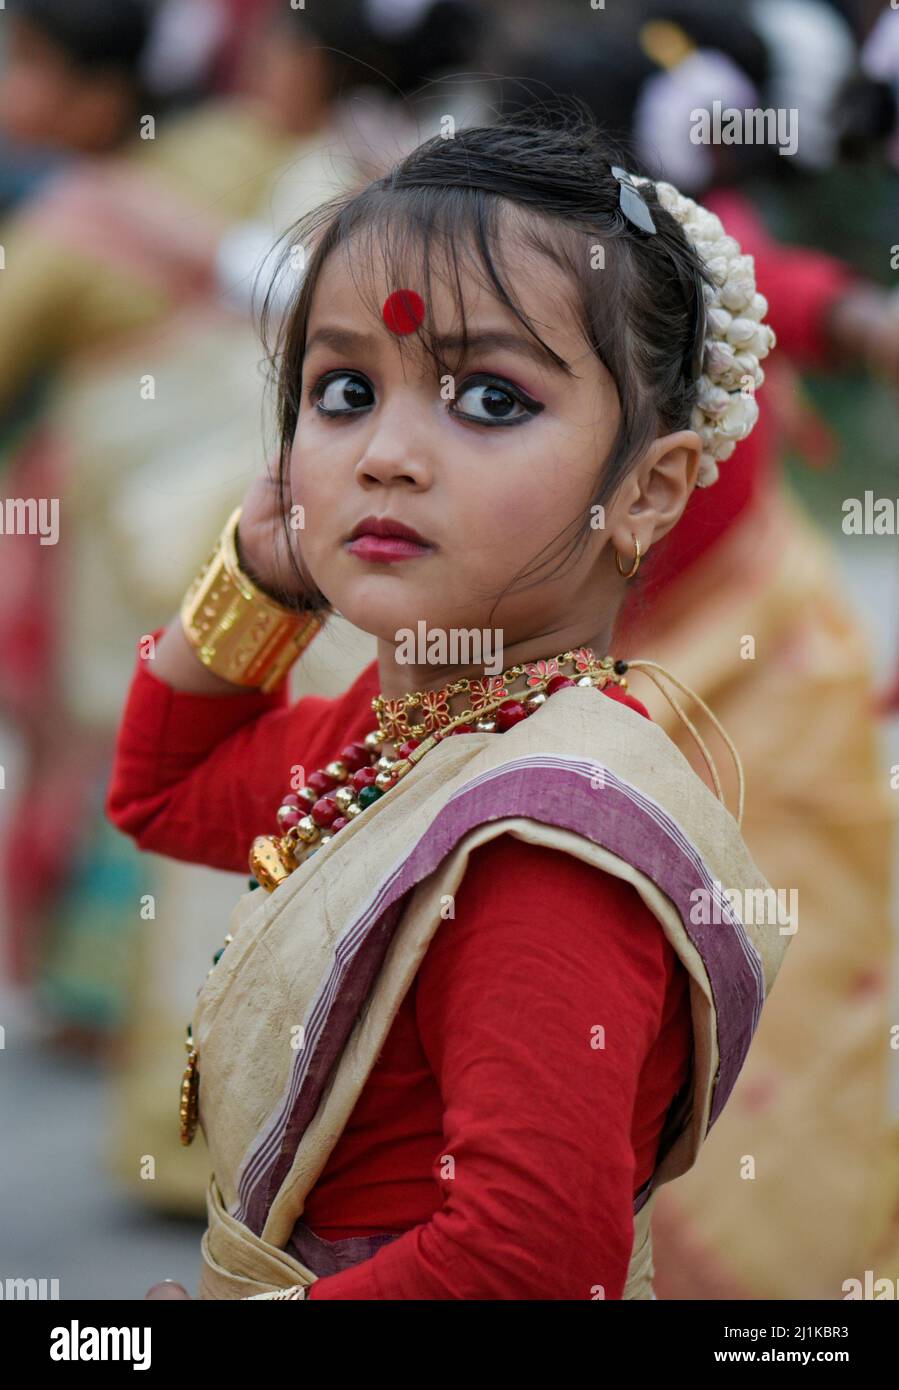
column 196, row 776
column 201, row 761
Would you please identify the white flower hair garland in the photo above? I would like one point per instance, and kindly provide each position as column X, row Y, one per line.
column 736, row 338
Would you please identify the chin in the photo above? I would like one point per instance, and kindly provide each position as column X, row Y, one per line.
column 368, row 605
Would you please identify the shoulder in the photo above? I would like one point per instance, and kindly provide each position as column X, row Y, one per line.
column 507, row 872
column 543, row 904
column 542, row 943
column 623, row 697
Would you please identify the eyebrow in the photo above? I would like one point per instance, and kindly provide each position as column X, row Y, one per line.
column 349, row 341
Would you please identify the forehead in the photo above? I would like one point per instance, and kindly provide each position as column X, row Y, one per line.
column 451, row 277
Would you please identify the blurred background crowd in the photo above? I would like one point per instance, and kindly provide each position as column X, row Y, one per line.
column 151, row 154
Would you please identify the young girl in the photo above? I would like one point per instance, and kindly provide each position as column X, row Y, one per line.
column 502, row 955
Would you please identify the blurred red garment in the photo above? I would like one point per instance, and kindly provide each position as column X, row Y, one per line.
column 103, row 252
column 245, row 20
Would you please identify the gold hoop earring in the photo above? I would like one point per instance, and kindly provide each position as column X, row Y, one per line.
column 636, row 565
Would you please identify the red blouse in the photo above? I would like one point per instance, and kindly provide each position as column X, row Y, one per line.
column 493, row 1131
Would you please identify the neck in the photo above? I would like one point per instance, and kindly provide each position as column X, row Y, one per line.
column 399, row 677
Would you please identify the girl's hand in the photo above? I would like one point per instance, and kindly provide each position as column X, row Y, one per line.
column 264, row 541
column 167, row 1289
column 264, row 554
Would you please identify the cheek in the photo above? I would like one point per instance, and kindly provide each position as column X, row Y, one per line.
column 545, row 491
column 315, row 477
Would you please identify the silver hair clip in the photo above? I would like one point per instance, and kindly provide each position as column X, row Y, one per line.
column 631, row 202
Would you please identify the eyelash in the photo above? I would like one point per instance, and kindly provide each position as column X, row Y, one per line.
column 532, row 407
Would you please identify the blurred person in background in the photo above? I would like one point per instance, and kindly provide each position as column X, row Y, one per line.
column 868, row 127
column 319, row 96
column 150, row 419
column 101, row 253
column 812, row 1104
column 180, row 58
column 131, row 236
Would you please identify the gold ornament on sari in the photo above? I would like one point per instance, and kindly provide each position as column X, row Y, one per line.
column 190, row 1092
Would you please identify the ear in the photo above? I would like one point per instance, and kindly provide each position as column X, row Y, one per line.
column 657, row 491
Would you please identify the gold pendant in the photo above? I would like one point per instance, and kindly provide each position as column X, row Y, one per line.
column 267, row 862
column 190, row 1095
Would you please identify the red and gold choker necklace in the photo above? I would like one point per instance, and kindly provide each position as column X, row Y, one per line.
column 412, row 725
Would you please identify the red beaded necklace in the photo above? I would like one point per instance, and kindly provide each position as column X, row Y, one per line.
column 362, row 772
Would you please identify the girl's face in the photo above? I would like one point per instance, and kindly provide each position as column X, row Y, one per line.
column 488, row 477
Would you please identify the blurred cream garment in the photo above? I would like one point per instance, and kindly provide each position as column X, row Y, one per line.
column 162, row 434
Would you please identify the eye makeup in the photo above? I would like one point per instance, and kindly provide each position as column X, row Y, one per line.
column 491, row 382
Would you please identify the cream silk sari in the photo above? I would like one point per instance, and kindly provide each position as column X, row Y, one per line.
column 291, row 1021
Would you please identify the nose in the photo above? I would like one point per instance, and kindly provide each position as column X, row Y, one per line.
column 397, row 449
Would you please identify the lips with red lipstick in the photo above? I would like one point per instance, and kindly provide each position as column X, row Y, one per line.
column 381, row 538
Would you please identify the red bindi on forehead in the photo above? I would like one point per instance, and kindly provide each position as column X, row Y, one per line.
column 403, row 311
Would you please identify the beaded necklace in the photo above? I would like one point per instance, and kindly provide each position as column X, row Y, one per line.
column 412, row 725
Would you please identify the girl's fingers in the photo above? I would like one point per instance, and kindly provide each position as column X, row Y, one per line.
column 167, row 1289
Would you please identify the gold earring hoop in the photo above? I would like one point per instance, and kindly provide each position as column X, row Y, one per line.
column 636, row 565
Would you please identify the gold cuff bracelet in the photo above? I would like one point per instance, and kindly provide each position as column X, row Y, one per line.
column 239, row 632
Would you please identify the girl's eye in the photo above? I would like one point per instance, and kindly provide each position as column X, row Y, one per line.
column 492, row 401
column 343, row 393
column 488, row 400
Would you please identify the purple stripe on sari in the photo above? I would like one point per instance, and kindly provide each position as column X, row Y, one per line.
column 551, row 790
column 326, row 1257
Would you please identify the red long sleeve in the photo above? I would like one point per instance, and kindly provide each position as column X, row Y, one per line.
column 195, row 777
column 545, row 1138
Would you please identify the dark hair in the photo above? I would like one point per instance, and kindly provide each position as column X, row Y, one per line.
column 644, row 316
column 95, row 35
